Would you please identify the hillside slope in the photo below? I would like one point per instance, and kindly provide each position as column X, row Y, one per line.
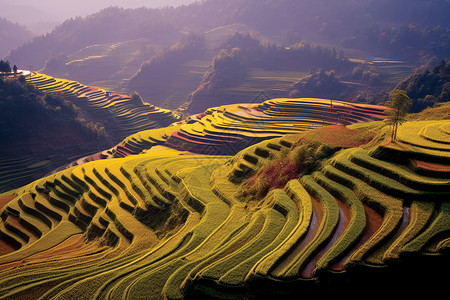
column 49, row 122
column 354, row 208
column 322, row 20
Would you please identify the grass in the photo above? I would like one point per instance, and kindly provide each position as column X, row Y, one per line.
column 337, row 136
column 440, row 111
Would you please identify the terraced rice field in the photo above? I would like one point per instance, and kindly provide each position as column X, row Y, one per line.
column 14, row 170
column 167, row 223
column 124, row 117
column 128, row 116
column 229, row 129
column 226, row 130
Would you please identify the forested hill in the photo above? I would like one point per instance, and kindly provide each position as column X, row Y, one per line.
column 30, row 120
column 285, row 20
column 12, row 35
column 108, row 25
column 429, row 86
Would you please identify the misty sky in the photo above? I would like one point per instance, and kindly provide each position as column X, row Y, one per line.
column 42, row 15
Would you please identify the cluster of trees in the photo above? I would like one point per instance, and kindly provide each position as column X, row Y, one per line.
column 367, row 73
column 322, row 84
column 428, row 86
column 228, row 68
column 299, row 55
column 12, row 35
column 5, row 67
column 108, row 25
column 400, row 104
column 303, row 159
column 311, row 20
column 407, row 42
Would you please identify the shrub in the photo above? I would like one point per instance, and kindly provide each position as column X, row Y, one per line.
column 303, row 159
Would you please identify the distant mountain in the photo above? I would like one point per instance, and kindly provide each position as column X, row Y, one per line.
column 12, row 35
column 42, row 16
column 128, row 50
column 110, row 25
column 282, row 20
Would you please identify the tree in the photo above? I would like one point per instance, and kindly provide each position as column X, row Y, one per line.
column 5, row 67
column 136, row 98
column 400, row 104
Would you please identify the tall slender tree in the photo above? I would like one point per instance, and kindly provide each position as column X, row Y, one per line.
column 400, row 104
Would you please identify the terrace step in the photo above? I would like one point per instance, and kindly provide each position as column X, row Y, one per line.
column 439, row 224
column 399, row 173
column 350, row 228
column 130, row 116
column 16, row 232
column 42, row 204
column 123, row 278
column 229, row 129
column 389, row 208
column 27, row 204
column 29, row 217
column 285, row 215
column 326, row 213
column 246, row 162
column 299, row 212
column 148, row 193
column 10, row 238
column 209, row 251
column 383, row 183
